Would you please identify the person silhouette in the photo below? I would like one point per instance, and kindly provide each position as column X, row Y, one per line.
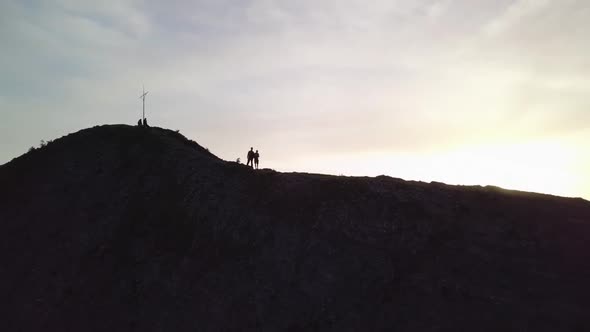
column 256, row 156
column 145, row 122
column 250, row 158
column 139, row 123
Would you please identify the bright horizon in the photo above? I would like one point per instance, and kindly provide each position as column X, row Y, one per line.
column 455, row 91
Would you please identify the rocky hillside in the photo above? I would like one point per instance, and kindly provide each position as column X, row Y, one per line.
column 119, row 228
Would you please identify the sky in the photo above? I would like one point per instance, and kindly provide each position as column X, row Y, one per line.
column 489, row 92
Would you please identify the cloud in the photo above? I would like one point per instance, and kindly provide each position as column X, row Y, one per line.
column 516, row 12
column 124, row 16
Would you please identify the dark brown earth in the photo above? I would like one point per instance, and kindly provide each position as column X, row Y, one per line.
column 119, row 228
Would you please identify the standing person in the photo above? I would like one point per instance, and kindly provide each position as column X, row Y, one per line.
column 145, row 122
column 139, row 123
column 250, row 158
column 256, row 156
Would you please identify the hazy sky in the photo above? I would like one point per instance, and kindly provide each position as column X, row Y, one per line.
column 459, row 91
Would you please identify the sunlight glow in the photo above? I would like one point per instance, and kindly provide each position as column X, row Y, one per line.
column 540, row 166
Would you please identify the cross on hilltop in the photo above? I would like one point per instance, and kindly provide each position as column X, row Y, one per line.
column 142, row 97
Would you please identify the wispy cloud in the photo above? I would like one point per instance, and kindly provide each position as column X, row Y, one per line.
column 516, row 13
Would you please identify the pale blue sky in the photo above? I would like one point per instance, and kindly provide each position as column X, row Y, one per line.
column 459, row 91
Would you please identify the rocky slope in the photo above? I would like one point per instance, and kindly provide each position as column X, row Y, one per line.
column 119, row 228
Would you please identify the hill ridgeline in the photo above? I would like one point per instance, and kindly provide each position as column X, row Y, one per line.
column 119, row 228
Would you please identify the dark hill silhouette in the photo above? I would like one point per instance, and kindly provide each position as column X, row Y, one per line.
column 119, row 228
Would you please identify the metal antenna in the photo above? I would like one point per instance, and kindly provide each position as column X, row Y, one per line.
column 142, row 97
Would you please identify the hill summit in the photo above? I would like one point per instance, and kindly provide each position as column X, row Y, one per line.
column 119, row 228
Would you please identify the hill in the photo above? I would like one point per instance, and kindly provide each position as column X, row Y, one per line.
column 119, row 228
